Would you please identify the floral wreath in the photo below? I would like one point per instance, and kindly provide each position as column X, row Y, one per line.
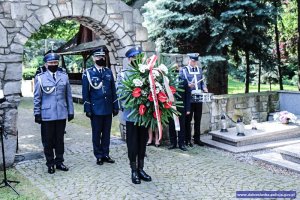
column 148, row 90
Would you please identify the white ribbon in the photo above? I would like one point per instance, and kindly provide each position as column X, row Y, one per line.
column 91, row 84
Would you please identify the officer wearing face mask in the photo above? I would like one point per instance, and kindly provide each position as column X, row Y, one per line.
column 52, row 106
column 41, row 70
column 100, row 104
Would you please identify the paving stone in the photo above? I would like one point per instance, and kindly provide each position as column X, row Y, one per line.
column 3, row 39
column 18, row 11
column 97, row 13
column 44, row 15
column 13, row 72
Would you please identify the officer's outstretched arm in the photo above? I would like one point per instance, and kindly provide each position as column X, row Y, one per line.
column 37, row 100
column 187, row 96
column 120, row 78
column 69, row 99
column 86, row 94
column 114, row 93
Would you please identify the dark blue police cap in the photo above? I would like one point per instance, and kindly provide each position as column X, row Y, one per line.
column 133, row 52
column 194, row 56
column 99, row 52
column 51, row 57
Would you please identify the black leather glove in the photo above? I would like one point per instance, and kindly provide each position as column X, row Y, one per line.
column 38, row 119
column 115, row 113
column 70, row 117
column 88, row 114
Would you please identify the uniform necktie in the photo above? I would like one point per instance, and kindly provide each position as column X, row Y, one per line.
column 54, row 77
column 193, row 69
column 100, row 70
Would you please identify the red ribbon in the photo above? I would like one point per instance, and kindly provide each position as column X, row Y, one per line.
column 151, row 64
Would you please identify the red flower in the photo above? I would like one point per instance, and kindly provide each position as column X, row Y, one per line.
column 168, row 104
column 136, row 92
column 142, row 109
column 150, row 97
column 173, row 89
column 154, row 114
column 162, row 97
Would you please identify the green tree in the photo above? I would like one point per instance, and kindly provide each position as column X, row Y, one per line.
column 289, row 42
column 185, row 26
column 58, row 31
column 243, row 29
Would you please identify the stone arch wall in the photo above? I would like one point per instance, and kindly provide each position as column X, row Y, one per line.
column 116, row 23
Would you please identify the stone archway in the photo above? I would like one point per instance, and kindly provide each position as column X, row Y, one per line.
column 119, row 25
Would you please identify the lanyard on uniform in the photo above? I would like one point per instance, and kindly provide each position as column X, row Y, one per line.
column 47, row 92
column 90, row 82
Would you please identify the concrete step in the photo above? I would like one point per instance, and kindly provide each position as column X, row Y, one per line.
column 277, row 160
column 267, row 132
column 290, row 153
column 207, row 139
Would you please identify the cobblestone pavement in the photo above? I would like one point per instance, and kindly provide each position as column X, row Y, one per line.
column 197, row 174
column 200, row 173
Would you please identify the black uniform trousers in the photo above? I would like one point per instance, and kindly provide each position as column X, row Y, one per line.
column 42, row 134
column 101, row 126
column 136, row 139
column 196, row 111
column 181, row 134
column 53, row 138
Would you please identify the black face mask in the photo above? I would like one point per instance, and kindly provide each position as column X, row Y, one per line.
column 101, row 62
column 52, row 68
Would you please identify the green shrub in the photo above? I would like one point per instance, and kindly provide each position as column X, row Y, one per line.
column 28, row 73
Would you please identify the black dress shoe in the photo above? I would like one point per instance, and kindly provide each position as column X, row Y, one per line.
column 183, row 148
column 149, row 144
column 172, row 147
column 189, row 144
column 62, row 167
column 135, row 177
column 199, row 142
column 145, row 177
column 99, row 161
column 51, row 170
column 107, row 159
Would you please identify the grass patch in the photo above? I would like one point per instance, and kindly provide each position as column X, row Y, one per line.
column 26, row 189
column 236, row 87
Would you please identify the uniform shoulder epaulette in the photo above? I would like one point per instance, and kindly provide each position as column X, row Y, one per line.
column 40, row 73
column 63, row 72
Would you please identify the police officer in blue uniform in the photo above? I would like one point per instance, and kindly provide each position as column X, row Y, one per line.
column 53, row 104
column 39, row 71
column 193, row 74
column 136, row 136
column 185, row 97
column 100, row 103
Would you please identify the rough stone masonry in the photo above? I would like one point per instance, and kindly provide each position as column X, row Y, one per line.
column 119, row 25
